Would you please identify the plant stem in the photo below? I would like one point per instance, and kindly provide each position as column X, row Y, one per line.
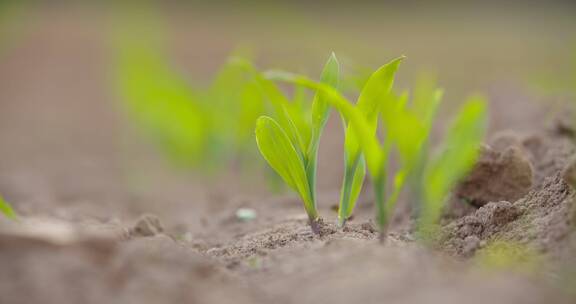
column 381, row 212
column 345, row 195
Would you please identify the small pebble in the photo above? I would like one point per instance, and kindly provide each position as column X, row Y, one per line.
column 245, row 214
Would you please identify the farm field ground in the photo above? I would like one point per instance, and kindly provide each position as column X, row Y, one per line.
column 104, row 219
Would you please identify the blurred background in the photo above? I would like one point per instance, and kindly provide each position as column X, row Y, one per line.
column 71, row 144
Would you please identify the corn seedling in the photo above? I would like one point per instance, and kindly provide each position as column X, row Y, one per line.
column 405, row 132
column 362, row 120
column 457, row 155
column 6, row 209
column 289, row 143
column 375, row 89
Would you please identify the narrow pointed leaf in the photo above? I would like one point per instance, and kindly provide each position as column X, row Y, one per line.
column 377, row 87
column 351, row 188
column 320, row 107
column 281, row 155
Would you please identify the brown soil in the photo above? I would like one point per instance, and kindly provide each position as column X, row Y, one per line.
column 100, row 226
column 498, row 175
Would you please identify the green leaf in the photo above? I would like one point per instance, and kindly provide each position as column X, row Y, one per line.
column 375, row 91
column 457, row 156
column 372, row 98
column 407, row 133
column 298, row 117
column 354, row 175
column 160, row 102
column 281, row 155
column 399, row 180
column 377, row 88
column 319, row 116
column 6, row 209
column 320, row 107
column 368, row 142
column 285, row 113
column 426, row 99
column 252, row 107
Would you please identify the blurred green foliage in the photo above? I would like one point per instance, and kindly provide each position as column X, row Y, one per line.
column 206, row 127
column 509, row 256
column 6, row 209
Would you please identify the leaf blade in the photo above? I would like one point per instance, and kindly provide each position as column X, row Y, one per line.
column 276, row 147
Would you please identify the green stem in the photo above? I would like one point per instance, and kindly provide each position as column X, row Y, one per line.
column 311, row 168
column 346, row 204
column 381, row 210
column 345, row 194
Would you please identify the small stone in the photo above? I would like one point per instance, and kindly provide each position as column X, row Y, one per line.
column 246, row 214
column 147, row 225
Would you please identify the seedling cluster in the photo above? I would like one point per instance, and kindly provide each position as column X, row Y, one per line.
column 406, row 129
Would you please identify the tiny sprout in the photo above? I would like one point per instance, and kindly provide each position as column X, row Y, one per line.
column 289, row 142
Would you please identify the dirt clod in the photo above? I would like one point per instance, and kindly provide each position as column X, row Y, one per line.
column 147, row 225
column 368, row 226
column 506, row 175
column 463, row 236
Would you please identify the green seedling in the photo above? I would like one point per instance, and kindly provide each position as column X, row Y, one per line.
column 457, row 155
column 406, row 131
column 362, row 124
column 6, row 209
column 289, row 142
column 375, row 89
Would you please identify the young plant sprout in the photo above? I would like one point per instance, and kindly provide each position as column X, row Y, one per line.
column 362, row 120
column 289, row 143
column 374, row 91
column 457, row 156
column 6, row 209
column 406, row 132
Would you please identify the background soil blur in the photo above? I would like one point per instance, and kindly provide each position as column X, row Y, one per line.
column 68, row 153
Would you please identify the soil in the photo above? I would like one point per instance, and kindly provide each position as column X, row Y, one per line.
column 99, row 224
